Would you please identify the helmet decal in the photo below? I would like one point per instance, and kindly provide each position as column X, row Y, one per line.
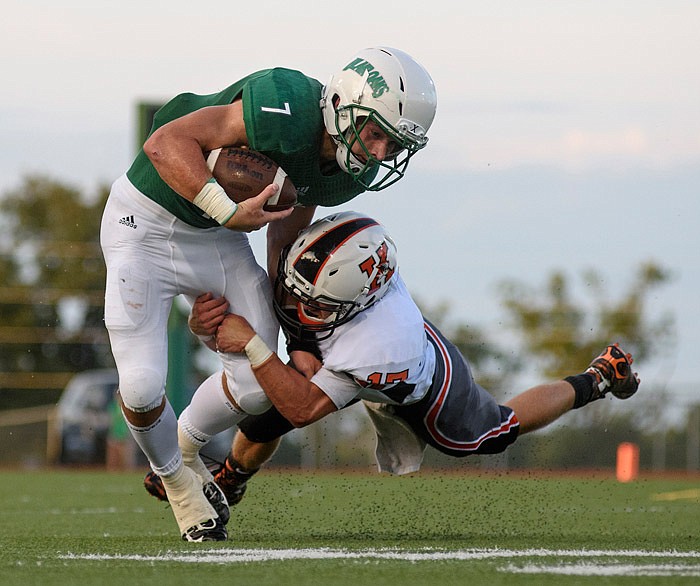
column 384, row 270
column 374, row 77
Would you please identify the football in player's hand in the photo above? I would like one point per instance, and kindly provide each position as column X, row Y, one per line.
column 244, row 173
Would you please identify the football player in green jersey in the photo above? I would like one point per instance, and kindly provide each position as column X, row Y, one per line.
column 169, row 229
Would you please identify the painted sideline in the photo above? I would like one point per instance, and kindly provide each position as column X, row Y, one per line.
column 228, row 555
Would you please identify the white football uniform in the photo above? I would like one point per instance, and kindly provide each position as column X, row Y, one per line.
column 381, row 355
column 418, row 387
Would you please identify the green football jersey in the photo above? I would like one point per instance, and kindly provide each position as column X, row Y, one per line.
column 283, row 120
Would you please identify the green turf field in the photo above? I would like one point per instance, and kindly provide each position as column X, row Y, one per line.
column 77, row 527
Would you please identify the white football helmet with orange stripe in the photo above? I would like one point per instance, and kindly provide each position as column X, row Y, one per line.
column 337, row 267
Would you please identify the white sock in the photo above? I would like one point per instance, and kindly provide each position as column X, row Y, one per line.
column 191, row 440
column 158, row 441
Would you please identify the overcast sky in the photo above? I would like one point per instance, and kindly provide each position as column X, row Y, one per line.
column 567, row 134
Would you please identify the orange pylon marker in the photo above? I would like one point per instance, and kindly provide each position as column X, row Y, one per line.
column 627, row 462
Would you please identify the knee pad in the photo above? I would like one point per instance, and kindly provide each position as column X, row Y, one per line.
column 141, row 389
column 243, row 385
column 252, row 401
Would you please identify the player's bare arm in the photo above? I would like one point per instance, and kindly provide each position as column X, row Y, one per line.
column 305, row 362
column 177, row 149
column 295, row 396
column 284, row 232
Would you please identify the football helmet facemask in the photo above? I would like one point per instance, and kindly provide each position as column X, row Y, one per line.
column 388, row 88
column 337, row 267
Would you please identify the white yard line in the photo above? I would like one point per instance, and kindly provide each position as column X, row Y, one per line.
column 590, row 562
column 589, row 569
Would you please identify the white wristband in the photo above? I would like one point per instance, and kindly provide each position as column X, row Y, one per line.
column 257, row 351
column 213, row 200
column 205, row 339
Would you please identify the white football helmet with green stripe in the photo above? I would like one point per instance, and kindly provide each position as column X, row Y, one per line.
column 388, row 87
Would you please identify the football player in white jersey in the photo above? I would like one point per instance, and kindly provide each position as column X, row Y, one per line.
column 338, row 293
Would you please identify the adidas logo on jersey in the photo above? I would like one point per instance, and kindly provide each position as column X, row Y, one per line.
column 128, row 221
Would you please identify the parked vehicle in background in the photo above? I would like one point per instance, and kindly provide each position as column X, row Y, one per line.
column 83, row 417
column 87, row 426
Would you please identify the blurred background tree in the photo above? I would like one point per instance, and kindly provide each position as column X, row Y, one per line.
column 52, row 290
column 493, row 366
column 560, row 333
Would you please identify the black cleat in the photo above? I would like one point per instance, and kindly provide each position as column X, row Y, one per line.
column 211, row 530
column 217, row 499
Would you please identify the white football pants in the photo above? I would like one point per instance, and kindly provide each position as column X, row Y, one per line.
column 152, row 257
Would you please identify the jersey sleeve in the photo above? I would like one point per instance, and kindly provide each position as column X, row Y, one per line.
column 383, row 351
column 281, row 112
column 340, row 388
column 343, row 387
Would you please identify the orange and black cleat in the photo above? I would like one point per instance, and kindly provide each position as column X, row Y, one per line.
column 613, row 373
